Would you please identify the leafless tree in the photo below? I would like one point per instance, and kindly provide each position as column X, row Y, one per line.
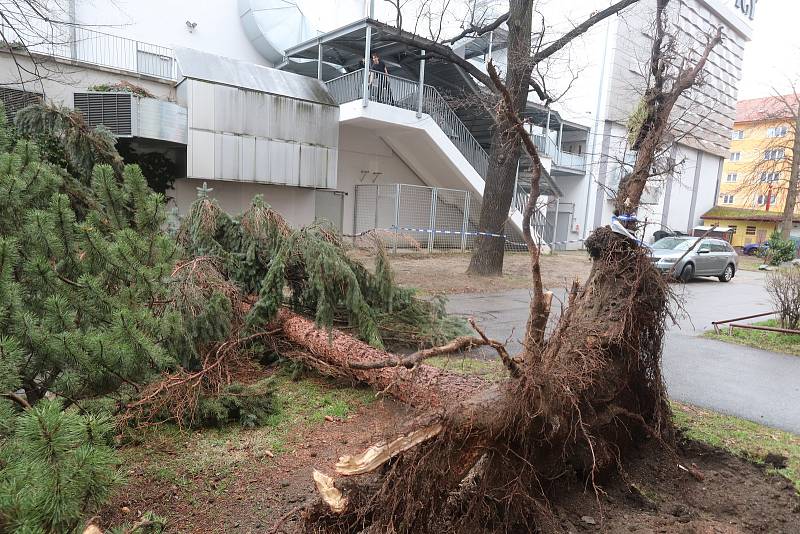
column 525, row 56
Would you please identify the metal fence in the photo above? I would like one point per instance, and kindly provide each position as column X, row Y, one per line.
column 75, row 43
column 404, row 93
column 416, row 217
column 560, row 157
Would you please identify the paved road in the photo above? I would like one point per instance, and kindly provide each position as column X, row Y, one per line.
column 754, row 384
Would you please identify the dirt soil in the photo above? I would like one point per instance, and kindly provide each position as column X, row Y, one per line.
column 652, row 496
column 445, row 272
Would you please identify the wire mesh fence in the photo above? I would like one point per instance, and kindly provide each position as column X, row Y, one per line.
column 415, row 217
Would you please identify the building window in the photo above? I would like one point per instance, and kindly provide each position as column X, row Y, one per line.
column 750, row 230
column 738, row 134
column 733, row 228
column 770, row 176
column 732, row 177
column 777, row 131
column 736, row 156
column 773, row 153
column 762, row 199
column 727, row 199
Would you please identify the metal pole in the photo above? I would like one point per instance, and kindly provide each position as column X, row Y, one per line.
column 516, row 184
column 421, row 87
column 319, row 61
column 560, row 135
column 396, row 215
column 555, row 227
column 432, row 221
column 491, row 41
column 73, row 37
column 465, row 224
column 367, row 46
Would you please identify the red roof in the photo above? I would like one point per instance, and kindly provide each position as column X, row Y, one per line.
column 767, row 108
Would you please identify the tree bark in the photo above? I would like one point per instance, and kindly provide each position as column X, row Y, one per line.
column 487, row 255
column 331, row 353
column 794, row 178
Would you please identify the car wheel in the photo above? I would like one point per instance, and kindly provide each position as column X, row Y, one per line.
column 687, row 273
column 727, row 274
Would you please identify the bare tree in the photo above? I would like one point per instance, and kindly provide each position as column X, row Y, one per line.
column 578, row 400
column 525, row 56
column 775, row 170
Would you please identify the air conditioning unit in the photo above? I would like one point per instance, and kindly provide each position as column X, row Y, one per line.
column 127, row 115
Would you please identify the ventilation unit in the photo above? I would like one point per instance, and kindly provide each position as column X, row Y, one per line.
column 14, row 100
column 128, row 115
column 112, row 110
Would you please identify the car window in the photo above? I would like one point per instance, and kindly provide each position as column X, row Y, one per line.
column 704, row 245
column 671, row 243
column 718, row 247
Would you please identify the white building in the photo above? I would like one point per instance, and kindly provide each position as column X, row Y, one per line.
column 244, row 104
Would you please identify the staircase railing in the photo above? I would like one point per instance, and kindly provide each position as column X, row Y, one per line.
column 403, row 93
column 561, row 158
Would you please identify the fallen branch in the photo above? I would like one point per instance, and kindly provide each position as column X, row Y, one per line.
column 459, row 344
column 380, row 453
column 508, row 361
column 18, row 399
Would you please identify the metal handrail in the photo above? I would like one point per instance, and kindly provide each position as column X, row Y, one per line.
column 403, row 93
column 75, row 43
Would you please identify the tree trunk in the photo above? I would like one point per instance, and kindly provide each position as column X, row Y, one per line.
column 487, row 255
column 333, row 353
column 794, row 178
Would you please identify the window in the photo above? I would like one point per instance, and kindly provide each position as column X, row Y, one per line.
column 736, row 156
column 738, row 134
column 762, row 199
column 727, row 199
column 718, row 246
column 773, row 153
column 777, row 131
column 733, row 228
column 750, row 230
column 732, row 177
column 770, row 176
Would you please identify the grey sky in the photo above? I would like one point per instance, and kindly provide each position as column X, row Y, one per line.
column 772, row 57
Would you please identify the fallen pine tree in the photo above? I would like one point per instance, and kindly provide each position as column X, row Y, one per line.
column 485, row 458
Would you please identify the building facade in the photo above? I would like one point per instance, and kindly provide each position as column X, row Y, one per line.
column 755, row 175
column 270, row 97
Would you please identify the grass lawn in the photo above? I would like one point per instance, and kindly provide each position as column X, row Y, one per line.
column 774, row 341
column 740, row 437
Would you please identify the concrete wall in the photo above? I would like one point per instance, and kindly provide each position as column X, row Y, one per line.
column 160, row 22
column 364, row 158
column 60, row 81
column 296, row 204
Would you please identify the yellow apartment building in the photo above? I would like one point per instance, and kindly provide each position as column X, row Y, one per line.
column 752, row 189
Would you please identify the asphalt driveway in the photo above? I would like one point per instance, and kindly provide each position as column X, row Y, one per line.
column 754, row 384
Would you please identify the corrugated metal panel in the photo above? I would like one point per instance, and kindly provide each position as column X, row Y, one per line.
column 284, row 162
column 247, row 159
column 156, row 119
column 228, row 109
column 199, row 65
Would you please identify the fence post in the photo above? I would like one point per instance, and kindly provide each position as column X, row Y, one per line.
column 555, row 227
column 465, row 224
column 396, row 215
column 432, row 220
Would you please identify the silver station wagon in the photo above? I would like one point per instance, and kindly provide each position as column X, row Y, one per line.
column 711, row 257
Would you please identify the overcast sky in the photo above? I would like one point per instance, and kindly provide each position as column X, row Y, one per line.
column 773, row 56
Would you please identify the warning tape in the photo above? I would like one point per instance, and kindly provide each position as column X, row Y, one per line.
column 455, row 232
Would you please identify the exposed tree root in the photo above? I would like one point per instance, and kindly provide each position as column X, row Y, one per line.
column 593, row 391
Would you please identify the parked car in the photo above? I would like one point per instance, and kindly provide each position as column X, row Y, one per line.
column 756, row 249
column 711, row 257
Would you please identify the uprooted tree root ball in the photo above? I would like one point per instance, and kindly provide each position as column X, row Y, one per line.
column 487, row 461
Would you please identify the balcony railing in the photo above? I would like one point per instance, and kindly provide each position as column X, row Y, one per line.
column 403, row 93
column 561, row 158
column 79, row 44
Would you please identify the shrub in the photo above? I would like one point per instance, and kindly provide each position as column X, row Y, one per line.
column 780, row 250
column 783, row 287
